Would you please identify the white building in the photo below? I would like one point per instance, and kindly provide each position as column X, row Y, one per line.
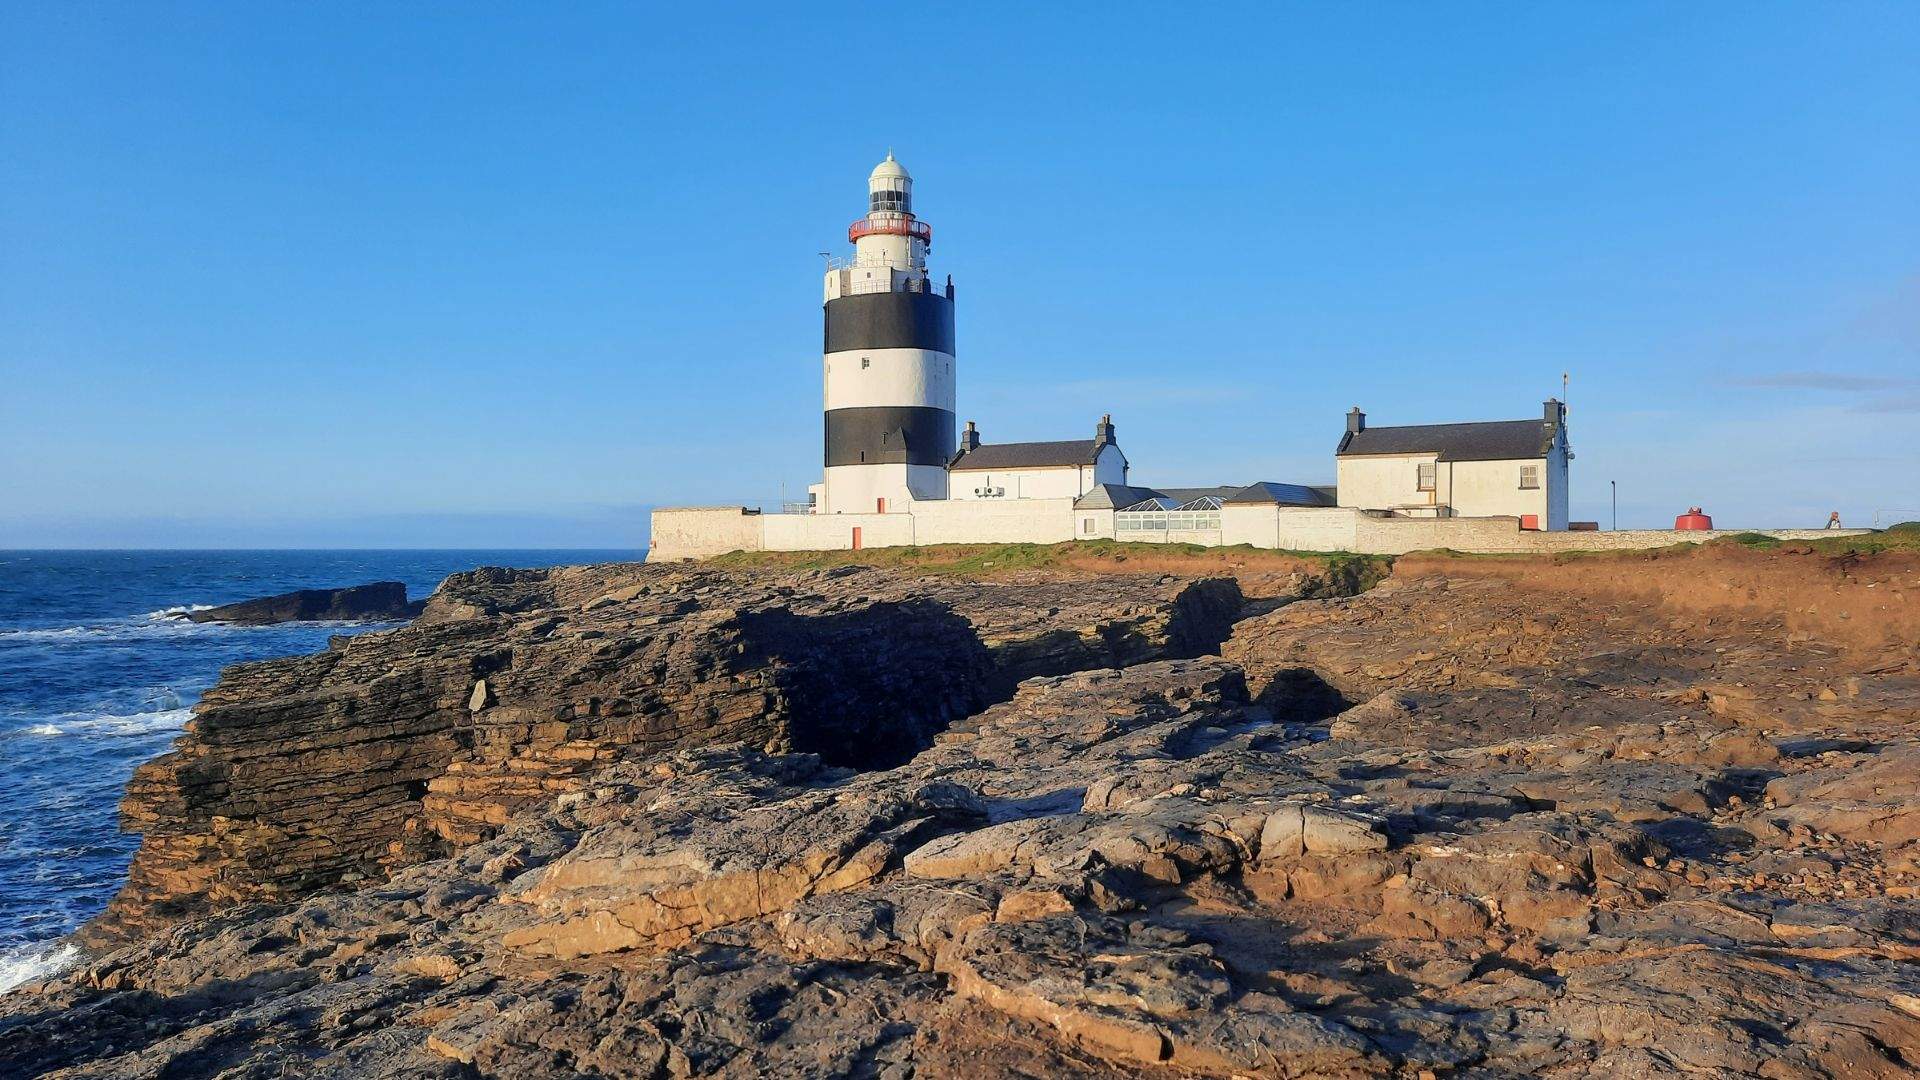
column 1036, row 470
column 1503, row 468
column 895, row 475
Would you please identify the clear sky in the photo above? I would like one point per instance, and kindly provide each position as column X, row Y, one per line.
column 277, row 274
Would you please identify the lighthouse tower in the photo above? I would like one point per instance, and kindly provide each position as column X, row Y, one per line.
column 889, row 366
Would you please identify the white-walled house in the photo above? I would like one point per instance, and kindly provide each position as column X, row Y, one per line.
column 1502, row 468
column 1035, row 470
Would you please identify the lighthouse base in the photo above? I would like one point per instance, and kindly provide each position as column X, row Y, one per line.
column 880, row 489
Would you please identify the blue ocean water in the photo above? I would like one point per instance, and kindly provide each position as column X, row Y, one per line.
column 98, row 673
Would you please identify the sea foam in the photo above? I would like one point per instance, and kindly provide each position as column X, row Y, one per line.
column 140, row 723
column 37, row 960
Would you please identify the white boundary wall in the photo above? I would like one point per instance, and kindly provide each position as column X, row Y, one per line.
column 703, row 532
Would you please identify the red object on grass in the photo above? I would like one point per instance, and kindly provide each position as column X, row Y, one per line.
column 1693, row 520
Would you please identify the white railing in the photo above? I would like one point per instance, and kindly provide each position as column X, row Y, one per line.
column 861, row 262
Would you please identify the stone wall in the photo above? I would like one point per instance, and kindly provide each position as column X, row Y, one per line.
column 1397, row 536
column 834, row 532
column 1632, row 539
column 698, row 533
column 1008, row 521
column 1312, row 529
column 701, row 532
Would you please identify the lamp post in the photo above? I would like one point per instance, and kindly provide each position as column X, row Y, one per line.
column 1614, row 485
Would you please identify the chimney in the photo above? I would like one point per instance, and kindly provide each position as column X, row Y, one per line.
column 969, row 439
column 1356, row 421
column 1103, row 431
column 1556, row 412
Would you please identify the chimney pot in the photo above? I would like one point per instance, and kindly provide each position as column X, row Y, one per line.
column 1356, row 421
column 1103, row 431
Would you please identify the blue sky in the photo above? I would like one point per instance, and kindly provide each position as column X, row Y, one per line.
column 440, row 275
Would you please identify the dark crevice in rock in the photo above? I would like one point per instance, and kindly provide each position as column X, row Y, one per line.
column 1302, row 695
column 870, row 688
column 1203, row 618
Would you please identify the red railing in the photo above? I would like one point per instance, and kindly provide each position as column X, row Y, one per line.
column 891, row 226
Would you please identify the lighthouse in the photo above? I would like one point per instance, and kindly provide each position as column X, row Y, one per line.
column 889, row 365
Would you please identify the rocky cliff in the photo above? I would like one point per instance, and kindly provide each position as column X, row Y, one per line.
column 1463, row 824
column 514, row 685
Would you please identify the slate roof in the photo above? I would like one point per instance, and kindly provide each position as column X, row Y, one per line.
column 1495, row 440
column 1283, row 494
column 1187, row 495
column 1113, row 497
column 1121, row 496
column 1026, row 455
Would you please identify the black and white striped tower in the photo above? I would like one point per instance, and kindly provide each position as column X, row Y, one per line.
column 889, row 367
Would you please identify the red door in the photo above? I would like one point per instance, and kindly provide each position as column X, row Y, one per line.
column 856, row 538
column 882, row 506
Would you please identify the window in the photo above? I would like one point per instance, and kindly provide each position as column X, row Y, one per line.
column 865, row 363
column 1529, row 476
column 1086, row 525
column 1425, row 477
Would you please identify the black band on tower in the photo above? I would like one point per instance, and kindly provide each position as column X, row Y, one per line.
column 890, row 320
column 886, row 434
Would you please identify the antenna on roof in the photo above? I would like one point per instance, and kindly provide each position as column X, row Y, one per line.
column 1563, row 388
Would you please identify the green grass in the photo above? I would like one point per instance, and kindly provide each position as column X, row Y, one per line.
column 1113, row 556
column 1750, row 539
column 979, row 560
column 1902, row 537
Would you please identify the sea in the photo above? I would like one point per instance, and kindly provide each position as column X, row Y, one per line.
column 99, row 671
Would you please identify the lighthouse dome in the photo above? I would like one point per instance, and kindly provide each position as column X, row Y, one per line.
column 889, row 170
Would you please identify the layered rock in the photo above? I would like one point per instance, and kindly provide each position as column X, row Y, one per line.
column 516, row 684
column 1389, row 835
column 1115, row 873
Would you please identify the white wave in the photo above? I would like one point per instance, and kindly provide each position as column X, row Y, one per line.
column 132, row 629
column 133, row 724
column 142, row 723
column 171, row 622
column 28, row 963
column 162, row 699
column 178, row 612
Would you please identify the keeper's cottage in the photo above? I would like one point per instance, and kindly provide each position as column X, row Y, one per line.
column 1511, row 468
